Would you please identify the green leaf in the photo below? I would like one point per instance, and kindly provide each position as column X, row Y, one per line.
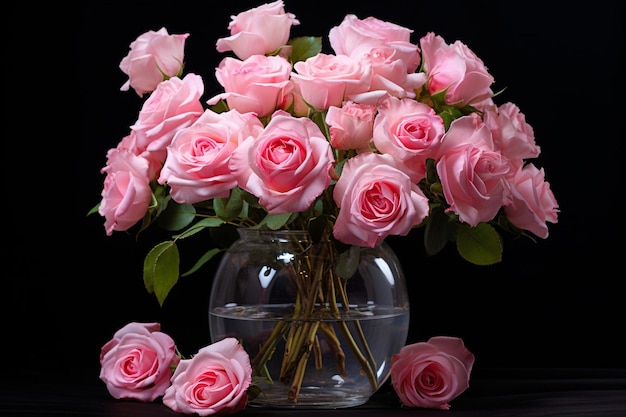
column 449, row 114
column 319, row 118
column 229, row 208
column 200, row 226
column 204, row 259
column 348, row 262
column 251, row 199
column 176, row 216
column 317, row 228
column 253, row 391
column 275, row 221
column 160, row 269
column 431, row 171
column 439, row 99
column 220, row 107
column 480, row 245
column 94, row 209
column 304, row 47
column 437, row 231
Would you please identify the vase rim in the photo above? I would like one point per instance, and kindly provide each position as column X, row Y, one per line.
column 286, row 234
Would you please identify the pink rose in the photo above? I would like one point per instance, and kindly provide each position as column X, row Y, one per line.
column 286, row 166
column 431, row 374
column 532, row 202
column 472, row 173
column 260, row 84
column 126, row 194
column 511, row 134
column 455, row 68
column 410, row 131
column 351, row 126
column 258, row 31
column 174, row 105
column 390, row 77
column 196, row 168
column 213, row 382
column 356, row 37
column 155, row 159
column 153, row 56
column 137, row 362
column 328, row 80
column 376, row 199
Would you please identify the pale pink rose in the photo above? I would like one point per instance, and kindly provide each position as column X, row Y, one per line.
column 432, row 374
column 351, row 126
column 174, row 105
column 137, row 363
column 511, row 134
column 328, row 80
column 376, row 198
column 155, row 159
column 126, row 194
column 258, row 31
column 456, row 68
column 153, row 57
column 472, row 173
column 532, row 202
column 213, row 382
column 356, row 37
column 260, row 84
column 196, row 168
column 390, row 75
column 286, row 166
column 410, row 131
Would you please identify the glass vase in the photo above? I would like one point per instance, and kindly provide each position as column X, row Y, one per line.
column 320, row 325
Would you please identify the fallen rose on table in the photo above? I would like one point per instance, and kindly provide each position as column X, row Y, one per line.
column 137, row 362
column 431, row 374
column 141, row 363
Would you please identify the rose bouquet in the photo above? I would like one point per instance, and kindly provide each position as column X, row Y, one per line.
column 375, row 138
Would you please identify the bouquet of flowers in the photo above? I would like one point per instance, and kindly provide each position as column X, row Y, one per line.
column 379, row 136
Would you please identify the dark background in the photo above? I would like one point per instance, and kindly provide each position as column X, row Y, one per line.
column 558, row 303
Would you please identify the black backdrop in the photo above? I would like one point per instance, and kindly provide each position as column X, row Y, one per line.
column 555, row 303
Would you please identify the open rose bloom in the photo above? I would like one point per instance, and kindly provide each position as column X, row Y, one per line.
column 431, row 374
column 213, row 382
column 137, row 362
column 384, row 133
column 296, row 132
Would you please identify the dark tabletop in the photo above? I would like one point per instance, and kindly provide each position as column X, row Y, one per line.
column 499, row 392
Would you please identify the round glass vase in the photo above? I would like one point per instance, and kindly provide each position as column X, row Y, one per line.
column 320, row 326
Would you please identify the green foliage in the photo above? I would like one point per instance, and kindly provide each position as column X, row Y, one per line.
column 199, row 226
column 480, row 245
column 93, row 210
column 304, row 47
column 348, row 262
column 254, row 390
column 221, row 217
column 229, row 208
column 220, row 107
column 319, row 118
column 276, row 221
column 204, row 259
column 439, row 230
column 447, row 112
column 176, row 216
column 160, row 269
